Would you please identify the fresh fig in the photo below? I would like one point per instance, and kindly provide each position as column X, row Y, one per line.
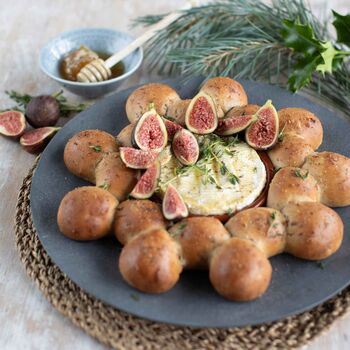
column 147, row 183
column 201, row 116
column 173, row 205
column 185, row 147
column 42, row 111
column 137, row 158
column 232, row 125
column 171, row 127
column 34, row 141
column 263, row 133
column 12, row 124
column 150, row 132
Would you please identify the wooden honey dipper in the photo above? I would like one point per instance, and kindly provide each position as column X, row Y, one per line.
column 100, row 70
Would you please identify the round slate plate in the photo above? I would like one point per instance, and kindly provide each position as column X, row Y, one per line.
column 296, row 286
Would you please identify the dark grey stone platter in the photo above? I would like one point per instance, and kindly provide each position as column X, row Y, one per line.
column 296, row 286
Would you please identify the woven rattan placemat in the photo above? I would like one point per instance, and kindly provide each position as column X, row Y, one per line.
column 123, row 331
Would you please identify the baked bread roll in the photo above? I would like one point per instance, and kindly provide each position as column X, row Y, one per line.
column 133, row 217
column 301, row 122
column 113, row 175
column 239, row 270
column 124, row 136
column 290, row 185
column 263, row 226
column 138, row 103
column 314, row 231
column 226, row 93
column 332, row 172
column 86, row 213
column 177, row 111
column 198, row 237
column 85, row 149
column 150, row 262
column 292, row 150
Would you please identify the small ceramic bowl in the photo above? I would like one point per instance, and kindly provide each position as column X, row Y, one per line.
column 98, row 39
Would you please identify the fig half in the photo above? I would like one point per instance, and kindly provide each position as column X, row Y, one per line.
column 173, row 205
column 171, row 127
column 262, row 134
column 150, row 132
column 147, row 183
column 12, row 124
column 185, row 147
column 34, row 141
column 137, row 158
column 201, row 115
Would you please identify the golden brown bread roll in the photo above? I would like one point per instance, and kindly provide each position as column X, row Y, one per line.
column 314, row 231
column 137, row 216
column 292, row 150
column 177, row 110
column 150, row 262
column 263, row 226
column 85, row 149
column 124, row 136
column 239, row 270
column 226, row 93
column 138, row 103
column 332, row 172
column 301, row 122
column 291, row 185
column 198, row 237
column 86, row 213
column 113, row 175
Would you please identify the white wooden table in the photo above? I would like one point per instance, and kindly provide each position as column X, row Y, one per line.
column 27, row 320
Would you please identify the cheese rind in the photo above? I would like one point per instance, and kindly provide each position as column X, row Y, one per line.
column 221, row 196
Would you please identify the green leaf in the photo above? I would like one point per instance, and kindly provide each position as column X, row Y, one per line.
column 328, row 57
column 300, row 37
column 342, row 26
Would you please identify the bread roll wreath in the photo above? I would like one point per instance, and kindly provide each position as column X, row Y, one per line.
column 155, row 184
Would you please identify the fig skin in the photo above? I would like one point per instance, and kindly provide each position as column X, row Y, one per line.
column 7, row 124
column 44, row 135
column 179, row 146
column 42, row 111
column 124, row 136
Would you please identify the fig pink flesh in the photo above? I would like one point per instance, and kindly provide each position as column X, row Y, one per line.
column 185, row 147
column 173, row 204
column 171, row 127
column 12, row 122
column 138, row 158
column 150, row 133
column 37, row 135
column 238, row 122
column 148, row 181
column 264, row 129
column 202, row 116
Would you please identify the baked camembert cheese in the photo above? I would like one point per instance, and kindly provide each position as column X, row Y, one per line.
column 228, row 176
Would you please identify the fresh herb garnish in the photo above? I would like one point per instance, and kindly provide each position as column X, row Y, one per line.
column 96, row 148
column 229, row 211
column 281, row 135
column 105, row 186
column 135, row 297
column 151, row 106
column 299, row 174
column 321, row 264
column 273, row 215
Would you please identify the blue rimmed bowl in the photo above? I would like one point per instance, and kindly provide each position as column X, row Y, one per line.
column 98, row 39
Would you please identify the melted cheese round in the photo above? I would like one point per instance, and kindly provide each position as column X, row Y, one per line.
column 218, row 194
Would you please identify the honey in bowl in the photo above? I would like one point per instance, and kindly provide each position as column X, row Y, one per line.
column 71, row 64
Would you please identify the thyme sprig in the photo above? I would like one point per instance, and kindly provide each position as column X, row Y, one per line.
column 212, row 148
